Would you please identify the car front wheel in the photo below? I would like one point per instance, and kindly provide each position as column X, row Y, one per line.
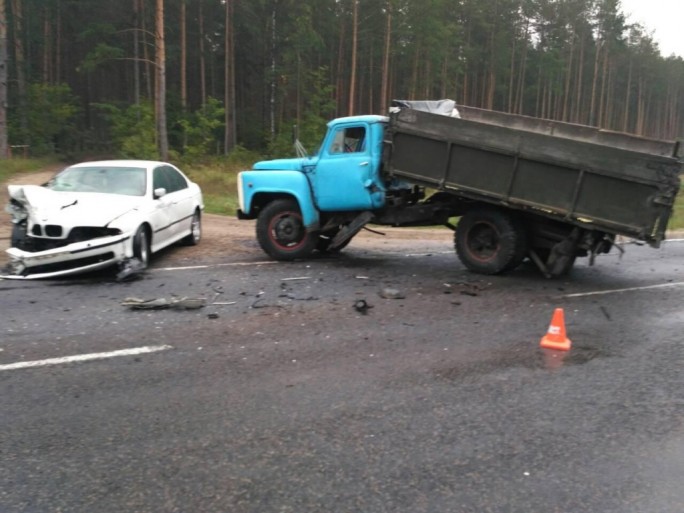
column 195, row 235
column 141, row 246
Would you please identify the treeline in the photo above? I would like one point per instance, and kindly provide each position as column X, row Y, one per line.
column 86, row 75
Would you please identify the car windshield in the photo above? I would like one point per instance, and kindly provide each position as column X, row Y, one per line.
column 128, row 181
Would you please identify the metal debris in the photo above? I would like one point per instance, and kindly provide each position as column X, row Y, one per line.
column 162, row 303
column 130, row 269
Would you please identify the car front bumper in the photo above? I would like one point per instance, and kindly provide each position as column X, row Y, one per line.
column 76, row 258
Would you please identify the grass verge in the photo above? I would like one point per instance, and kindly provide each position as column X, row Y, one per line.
column 11, row 167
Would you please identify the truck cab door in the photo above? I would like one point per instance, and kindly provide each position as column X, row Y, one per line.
column 343, row 176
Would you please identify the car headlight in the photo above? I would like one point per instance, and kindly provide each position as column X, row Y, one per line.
column 17, row 211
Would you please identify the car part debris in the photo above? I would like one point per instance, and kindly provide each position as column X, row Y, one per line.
column 362, row 306
column 391, row 293
column 161, row 303
column 130, row 269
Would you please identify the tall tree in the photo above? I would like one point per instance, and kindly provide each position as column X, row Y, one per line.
column 229, row 81
column 355, row 42
column 3, row 81
column 160, row 84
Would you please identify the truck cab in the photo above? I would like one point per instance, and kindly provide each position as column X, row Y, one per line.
column 302, row 204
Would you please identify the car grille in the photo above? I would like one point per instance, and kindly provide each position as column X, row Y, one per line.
column 45, row 237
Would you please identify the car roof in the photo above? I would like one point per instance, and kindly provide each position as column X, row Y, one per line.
column 122, row 163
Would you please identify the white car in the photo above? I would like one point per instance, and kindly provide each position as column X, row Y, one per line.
column 97, row 214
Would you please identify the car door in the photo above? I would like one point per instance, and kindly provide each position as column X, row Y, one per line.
column 344, row 171
column 162, row 215
column 182, row 206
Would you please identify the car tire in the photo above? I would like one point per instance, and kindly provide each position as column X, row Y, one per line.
column 489, row 241
column 281, row 232
column 195, row 235
column 141, row 246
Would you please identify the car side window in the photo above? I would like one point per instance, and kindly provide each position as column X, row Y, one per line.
column 348, row 140
column 160, row 179
column 176, row 180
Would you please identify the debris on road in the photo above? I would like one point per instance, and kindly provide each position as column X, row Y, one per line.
column 391, row 293
column 362, row 306
column 161, row 303
column 130, row 269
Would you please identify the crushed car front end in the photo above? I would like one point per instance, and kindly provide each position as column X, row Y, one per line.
column 58, row 244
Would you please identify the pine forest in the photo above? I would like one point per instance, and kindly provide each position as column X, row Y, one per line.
column 196, row 78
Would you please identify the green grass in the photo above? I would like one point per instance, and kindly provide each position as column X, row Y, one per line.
column 11, row 167
column 218, row 181
column 677, row 218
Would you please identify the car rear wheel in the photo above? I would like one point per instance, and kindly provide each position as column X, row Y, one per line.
column 141, row 246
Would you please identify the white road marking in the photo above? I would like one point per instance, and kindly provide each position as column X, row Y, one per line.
column 233, row 264
column 84, row 357
column 630, row 289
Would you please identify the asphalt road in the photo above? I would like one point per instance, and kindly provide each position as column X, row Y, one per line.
column 281, row 396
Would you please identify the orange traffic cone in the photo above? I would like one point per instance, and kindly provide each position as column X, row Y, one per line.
column 555, row 337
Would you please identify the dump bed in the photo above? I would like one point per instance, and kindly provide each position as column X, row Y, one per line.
column 599, row 180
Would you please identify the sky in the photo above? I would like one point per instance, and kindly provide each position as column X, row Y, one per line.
column 664, row 18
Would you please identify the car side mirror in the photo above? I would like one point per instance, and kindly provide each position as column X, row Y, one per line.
column 158, row 193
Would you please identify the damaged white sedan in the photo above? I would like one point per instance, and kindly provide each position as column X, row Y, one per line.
column 100, row 214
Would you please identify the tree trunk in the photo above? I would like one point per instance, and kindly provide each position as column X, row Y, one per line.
column 352, row 78
column 230, row 139
column 136, row 54
column 183, row 58
column 384, row 100
column 339, row 86
column 568, row 72
column 146, row 55
column 628, row 98
column 3, row 82
column 592, row 117
column 272, row 100
column 20, row 62
column 47, row 48
column 202, row 57
column 160, row 84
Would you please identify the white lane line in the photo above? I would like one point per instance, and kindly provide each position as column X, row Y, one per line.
column 84, row 357
column 630, row 289
column 233, row 264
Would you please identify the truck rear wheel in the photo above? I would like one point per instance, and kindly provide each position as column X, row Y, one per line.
column 281, row 232
column 489, row 241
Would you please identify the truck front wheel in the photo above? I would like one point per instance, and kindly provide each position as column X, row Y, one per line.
column 489, row 241
column 281, row 232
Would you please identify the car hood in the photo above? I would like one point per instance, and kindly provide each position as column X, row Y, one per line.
column 286, row 164
column 44, row 205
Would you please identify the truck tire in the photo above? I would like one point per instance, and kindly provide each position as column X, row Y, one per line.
column 281, row 233
column 490, row 241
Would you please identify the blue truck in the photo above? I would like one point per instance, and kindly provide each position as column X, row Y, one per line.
column 520, row 187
